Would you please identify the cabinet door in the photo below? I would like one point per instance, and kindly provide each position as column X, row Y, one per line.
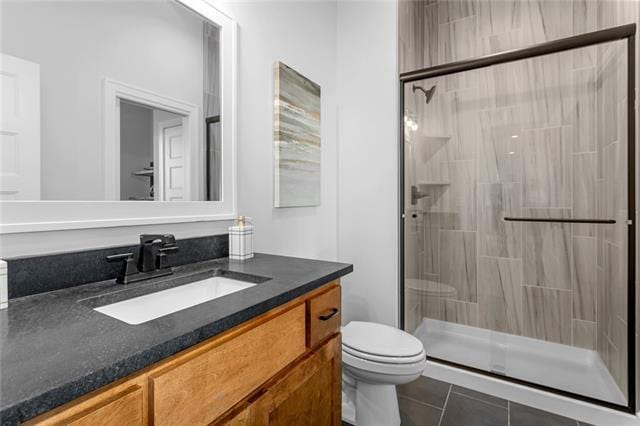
column 202, row 386
column 121, row 406
column 308, row 395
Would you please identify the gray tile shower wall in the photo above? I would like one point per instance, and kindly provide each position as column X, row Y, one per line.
column 39, row 274
column 544, row 137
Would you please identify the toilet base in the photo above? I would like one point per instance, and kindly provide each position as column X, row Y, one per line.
column 367, row 404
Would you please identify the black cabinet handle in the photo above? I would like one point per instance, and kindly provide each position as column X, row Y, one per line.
column 330, row 315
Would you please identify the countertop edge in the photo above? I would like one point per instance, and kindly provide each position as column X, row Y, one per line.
column 30, row 408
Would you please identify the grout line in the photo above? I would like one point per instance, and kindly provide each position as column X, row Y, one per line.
column 508, row 413
column 479, row 400
column 420, row 402
column 444, row 407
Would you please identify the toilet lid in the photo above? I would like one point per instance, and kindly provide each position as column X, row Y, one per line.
column 380, row 340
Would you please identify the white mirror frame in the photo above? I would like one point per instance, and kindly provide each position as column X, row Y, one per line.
column 36, row 216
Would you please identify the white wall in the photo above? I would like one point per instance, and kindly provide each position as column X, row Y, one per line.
column 368, row 162
column 154, row 45
column 303, row 36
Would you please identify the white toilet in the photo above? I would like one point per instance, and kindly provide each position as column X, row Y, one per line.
column 376, row 358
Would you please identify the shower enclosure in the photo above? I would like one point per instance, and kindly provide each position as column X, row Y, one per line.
column 518, row 199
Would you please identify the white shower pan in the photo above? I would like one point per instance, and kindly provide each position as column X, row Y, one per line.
column 563, row 367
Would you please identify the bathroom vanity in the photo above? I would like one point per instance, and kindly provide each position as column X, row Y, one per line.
column 267, row 354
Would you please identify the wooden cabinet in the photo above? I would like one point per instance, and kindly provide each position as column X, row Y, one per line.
column 323, row 315
column 281, row 368
column 124, row 408
column 307, row 394
column 191, row 391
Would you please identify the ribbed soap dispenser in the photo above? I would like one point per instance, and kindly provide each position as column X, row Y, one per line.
column 241, row 239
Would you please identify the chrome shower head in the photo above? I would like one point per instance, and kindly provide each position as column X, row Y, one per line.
column 427, row 93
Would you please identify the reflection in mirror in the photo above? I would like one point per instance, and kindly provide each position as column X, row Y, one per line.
column 109, row 100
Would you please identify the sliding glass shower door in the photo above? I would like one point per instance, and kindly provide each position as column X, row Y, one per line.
column 515, row 231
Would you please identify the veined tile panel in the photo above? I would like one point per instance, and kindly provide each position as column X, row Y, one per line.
column 547, row 168
column 458, row 263
column 498, row 87
column 499, row 17
column 584, row 334
column 430, row 241
column 545, row 90
column 500, row 156
column 500, row 294
column 546, row 20
column 618, row 363
column 547, row 314
column 467, row 124
column 459, row 198
column 584, row 114
column 606, row 91
column 452, row 10
column 615, row 283
column 457, row 40
column 584, row 192
column 584, row 278
column 460, row 121
column 585, row 20
column 547, row 250
column 497, row 237
column 459, row 312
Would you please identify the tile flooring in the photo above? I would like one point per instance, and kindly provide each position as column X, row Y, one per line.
column 430, row 402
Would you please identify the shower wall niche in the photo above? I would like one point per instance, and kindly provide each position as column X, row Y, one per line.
column 539, row 138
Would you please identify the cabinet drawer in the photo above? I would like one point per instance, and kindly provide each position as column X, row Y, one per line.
column 204, row 386
column 123, row 409
column 323, row 315
column 121, row 405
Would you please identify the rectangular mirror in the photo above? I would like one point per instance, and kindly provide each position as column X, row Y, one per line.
column 111, row 100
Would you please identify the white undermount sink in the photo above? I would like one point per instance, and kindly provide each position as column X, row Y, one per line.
column 155, row 305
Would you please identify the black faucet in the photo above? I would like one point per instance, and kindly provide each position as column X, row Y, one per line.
column 153, row 251
column 152, row 259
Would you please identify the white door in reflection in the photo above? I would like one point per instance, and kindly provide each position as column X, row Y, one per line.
column 173, row 159
column 19, row 129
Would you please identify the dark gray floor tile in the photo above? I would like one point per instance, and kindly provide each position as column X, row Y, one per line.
column 481, row 396
column 522, row 415
column 463, row 411
column 413, row 413
column 427, row 390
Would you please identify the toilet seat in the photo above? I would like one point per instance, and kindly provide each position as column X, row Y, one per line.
column 380, row 340
column 379, row 348
column 384, row 368
column 382, row 358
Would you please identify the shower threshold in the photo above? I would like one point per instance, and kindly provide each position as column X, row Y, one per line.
column 567, row 368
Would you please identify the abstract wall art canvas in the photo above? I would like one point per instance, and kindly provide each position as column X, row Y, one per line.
column 296, row 139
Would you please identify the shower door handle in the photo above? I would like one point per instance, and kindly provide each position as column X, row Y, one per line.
column 558, row 220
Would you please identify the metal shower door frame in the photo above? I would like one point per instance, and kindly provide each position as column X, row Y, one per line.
column 623, row 32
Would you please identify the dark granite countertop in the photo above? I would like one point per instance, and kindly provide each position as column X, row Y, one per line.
column 54, row 347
